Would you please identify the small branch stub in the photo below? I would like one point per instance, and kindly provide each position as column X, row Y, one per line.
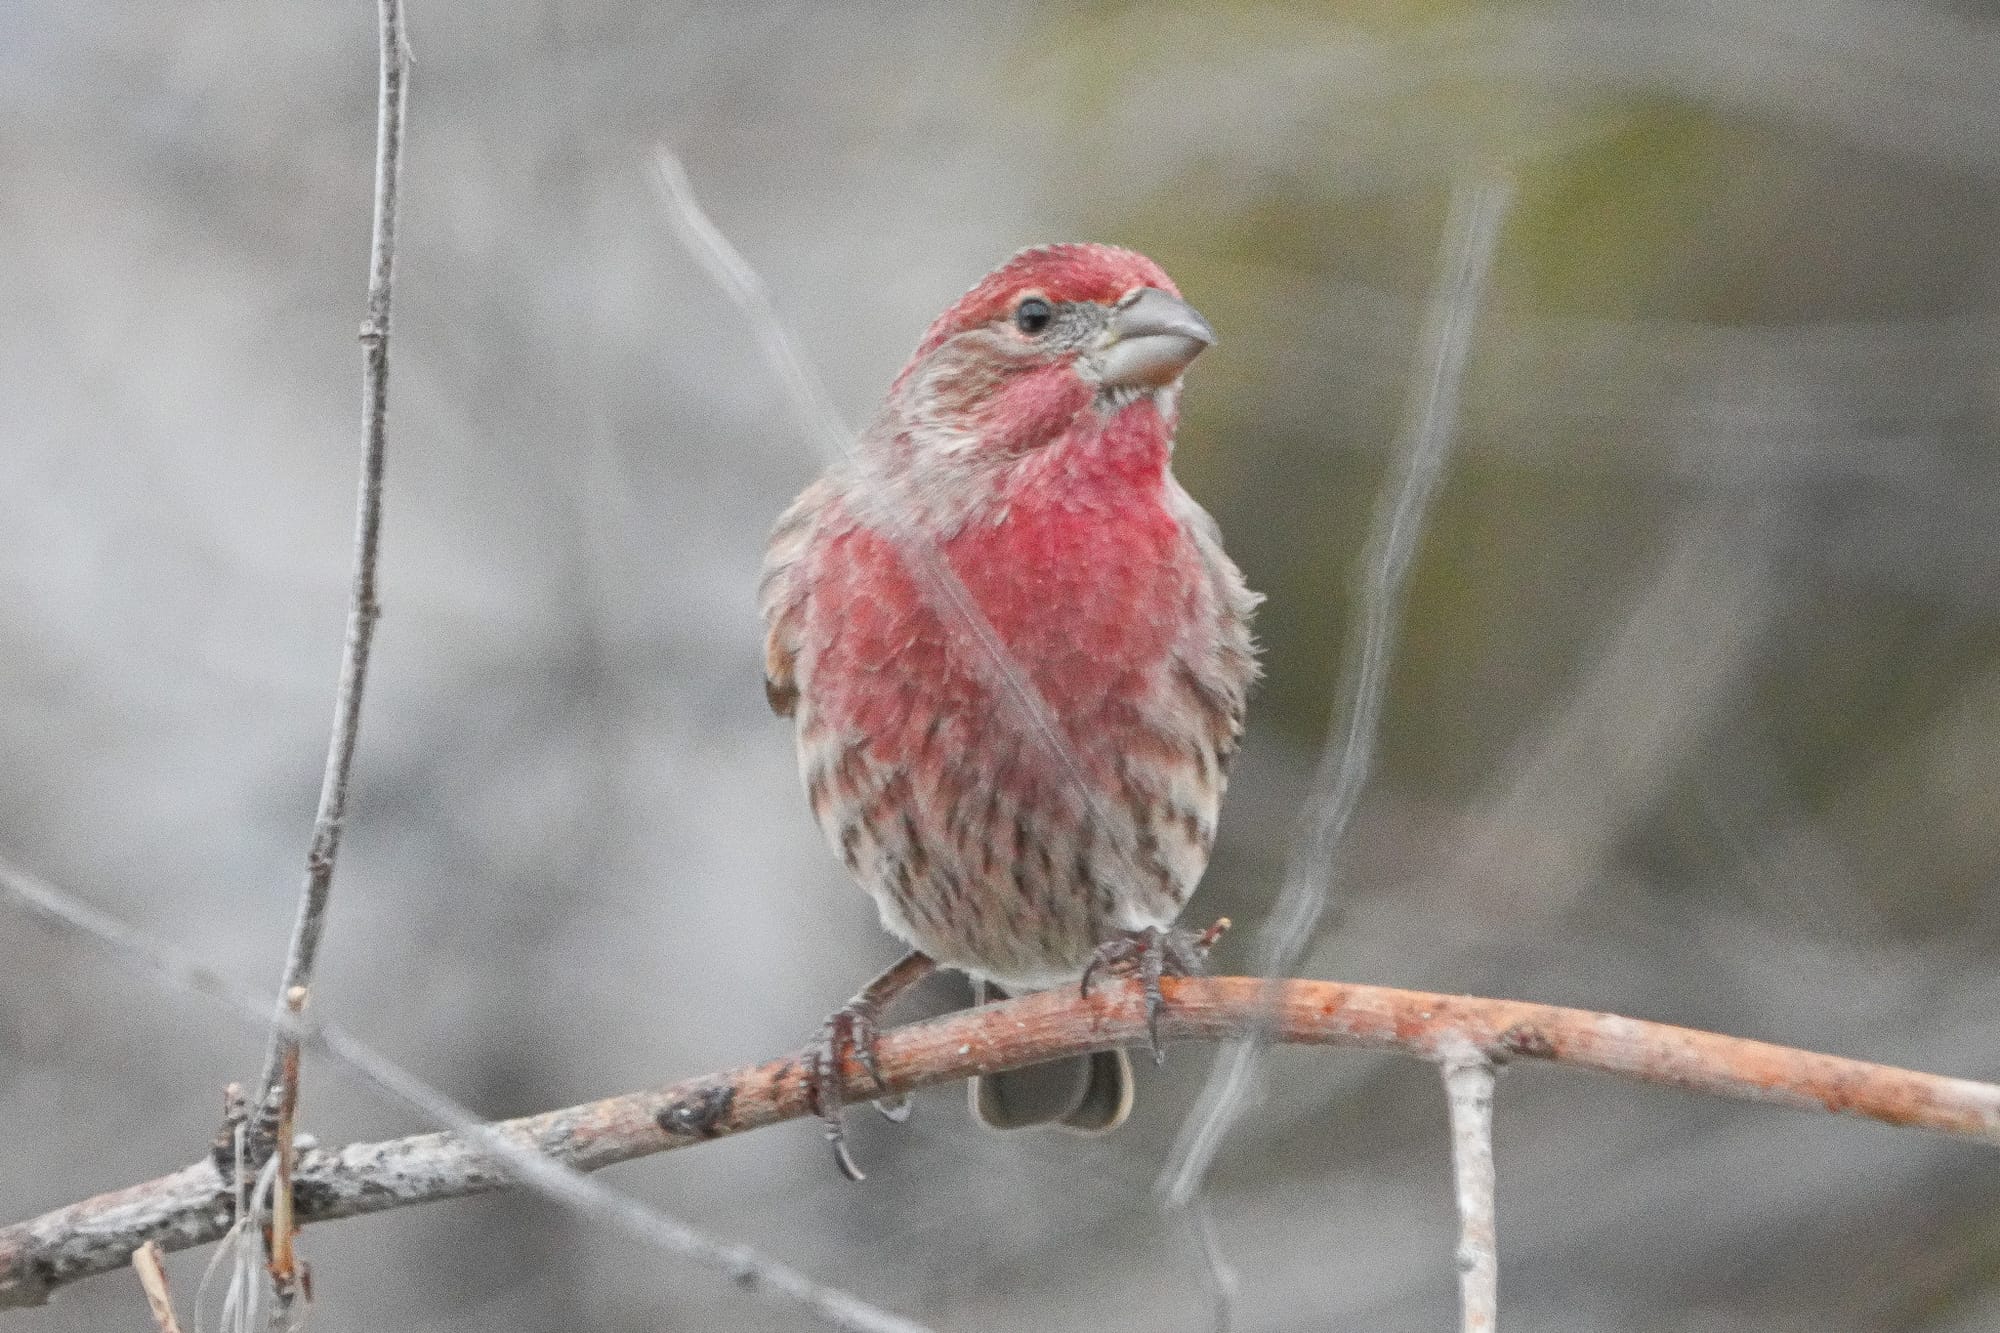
column 146, row 1262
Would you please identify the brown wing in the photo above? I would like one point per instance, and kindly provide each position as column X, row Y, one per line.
column 781, row 596
column 1227, row 672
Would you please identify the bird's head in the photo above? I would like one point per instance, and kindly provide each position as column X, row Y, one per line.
column 1054, row 332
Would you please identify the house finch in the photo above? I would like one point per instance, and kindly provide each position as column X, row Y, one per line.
column 1025, row 447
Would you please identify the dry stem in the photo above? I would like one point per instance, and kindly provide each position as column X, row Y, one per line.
column 153, row 1277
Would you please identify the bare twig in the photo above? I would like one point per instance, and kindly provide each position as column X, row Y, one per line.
column 702, row 239
column 206, row 1206
column 1467, row 253
column 277, row 1102
column 363, row 610
column 153, row 1277
column 168, row 966
column 1468, row 1086
column 191, row 1207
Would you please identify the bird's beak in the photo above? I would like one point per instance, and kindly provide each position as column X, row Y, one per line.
column 1150, row 340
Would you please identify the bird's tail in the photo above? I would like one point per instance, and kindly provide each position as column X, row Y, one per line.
column 1085, row 1094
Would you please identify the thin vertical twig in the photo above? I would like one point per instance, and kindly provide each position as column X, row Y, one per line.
column 1468, row 1085
column 1431, row 417
column 363, row 609
column 146, row 1262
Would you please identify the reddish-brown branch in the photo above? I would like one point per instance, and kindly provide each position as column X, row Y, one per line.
column 285, row 1270
column 191, row 1206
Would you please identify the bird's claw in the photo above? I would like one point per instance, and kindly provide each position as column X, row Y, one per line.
column 1153, row 953
column 849, row 1031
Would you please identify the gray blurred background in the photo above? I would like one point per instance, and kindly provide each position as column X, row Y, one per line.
column 1697, row 713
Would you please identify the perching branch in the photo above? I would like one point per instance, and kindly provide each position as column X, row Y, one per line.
column 192, row 1206
column 362, row 611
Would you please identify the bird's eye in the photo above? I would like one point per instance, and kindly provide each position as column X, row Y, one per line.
column 1033, row 315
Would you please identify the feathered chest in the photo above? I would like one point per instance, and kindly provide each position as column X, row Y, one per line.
column 1087, row 595
column 1088, row 586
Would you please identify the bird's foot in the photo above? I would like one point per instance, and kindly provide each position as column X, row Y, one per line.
column 1150, row 954
column 851, row 1031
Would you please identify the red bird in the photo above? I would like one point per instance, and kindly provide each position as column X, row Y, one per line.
column 1027, row 442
